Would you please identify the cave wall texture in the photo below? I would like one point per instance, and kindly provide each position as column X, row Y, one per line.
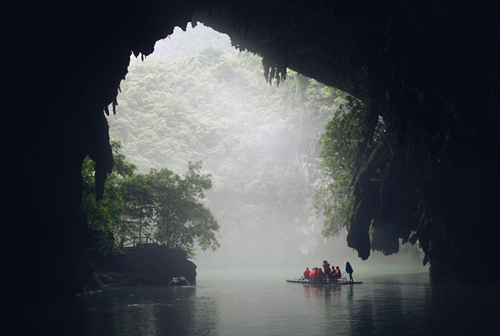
column 429, row 68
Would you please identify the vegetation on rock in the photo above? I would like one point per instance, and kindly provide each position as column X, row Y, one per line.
column 162, row 204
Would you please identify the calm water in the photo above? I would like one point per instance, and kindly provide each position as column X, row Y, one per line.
column 397, row 304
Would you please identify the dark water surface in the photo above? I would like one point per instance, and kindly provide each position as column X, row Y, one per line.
column 250, row 304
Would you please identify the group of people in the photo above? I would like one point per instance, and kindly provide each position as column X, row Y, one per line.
column 333, row 273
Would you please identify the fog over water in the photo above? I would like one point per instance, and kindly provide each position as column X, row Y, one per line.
column 258, row 142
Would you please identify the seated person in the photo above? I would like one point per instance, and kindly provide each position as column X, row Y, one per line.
column 320, row 275
column 314, row 274
column 338, row 273
column 307, row 273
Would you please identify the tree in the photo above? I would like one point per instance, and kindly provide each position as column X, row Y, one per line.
column 138, row 206
column 105, row 216
column 171, row 203
column 180, row 217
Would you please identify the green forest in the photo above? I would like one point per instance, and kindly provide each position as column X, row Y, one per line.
column 256, row 145
column 161, row 206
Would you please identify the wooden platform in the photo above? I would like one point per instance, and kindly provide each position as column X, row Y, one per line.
column 340, row 282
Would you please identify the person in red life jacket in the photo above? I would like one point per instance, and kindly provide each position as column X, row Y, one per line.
column 334, row 274
column 321, row 274
column 307, row 273
column 314, row 274
column 338, row 273
column 328, row 271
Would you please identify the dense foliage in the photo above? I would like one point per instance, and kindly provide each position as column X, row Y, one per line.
column 180, row 217
column 104, row 217
column 347, row 149
column 160, row 204
column 258, row 142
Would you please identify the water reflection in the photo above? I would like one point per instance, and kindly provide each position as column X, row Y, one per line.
column 464, row 310
column 389, row 306
column 385, row 305
column 316, row 291
column 138, row 310
column 206, row 315
column 143, row 311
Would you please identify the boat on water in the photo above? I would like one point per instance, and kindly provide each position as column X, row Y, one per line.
column 324, row 281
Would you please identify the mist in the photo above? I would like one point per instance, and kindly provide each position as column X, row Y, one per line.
column 197, row 99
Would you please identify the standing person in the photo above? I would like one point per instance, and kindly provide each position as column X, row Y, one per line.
column 349, row 270
column 307, row 273
column 328, row 271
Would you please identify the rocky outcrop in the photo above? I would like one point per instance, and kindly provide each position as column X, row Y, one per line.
column 144, row 264
column 430, row 69
column 156, row 264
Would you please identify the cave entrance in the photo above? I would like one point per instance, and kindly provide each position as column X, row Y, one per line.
column 196, row 98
